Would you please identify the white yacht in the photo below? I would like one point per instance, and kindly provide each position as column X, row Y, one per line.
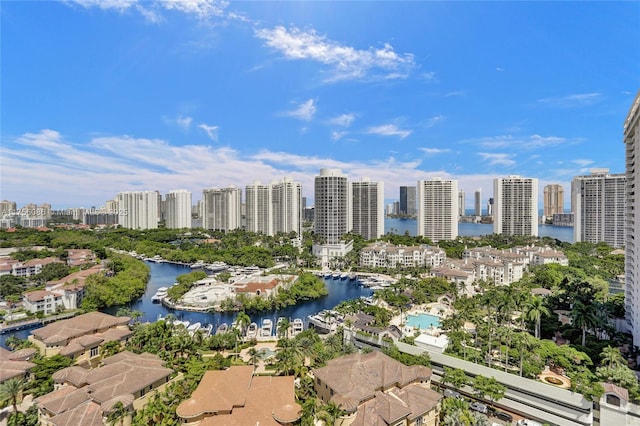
column 160, row 294
column 252, row 331
column 222, row 328
column 267, row 328
column 193, row 328
column 297, row 326
column 198, row 264
column 278, row 323
column 325, row 321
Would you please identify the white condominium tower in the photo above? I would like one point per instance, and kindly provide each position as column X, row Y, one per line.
column 222, row 208
column 138, row 209
column 515, row 206
column 287, row 206
column 632, row 250
column 438, row 209
column 553, row 201
column 367, row 208
column 331, row 205
column 598, row 202
column 178, row 209
column 258, row 208
column 274, row 208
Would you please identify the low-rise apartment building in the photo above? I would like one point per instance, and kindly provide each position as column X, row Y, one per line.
column 387, row 255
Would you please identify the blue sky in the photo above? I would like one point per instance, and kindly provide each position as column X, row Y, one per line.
column 102, row 96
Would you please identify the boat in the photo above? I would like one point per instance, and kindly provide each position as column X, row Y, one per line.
column 160, row 294
column 267, row 328
column 368, row 300
column 336, row 274
column 157, row 259
column 252, row 331
column 352, row 276
column 325, row 321
column 344, row 276
column 216, row 267
column 222, row 328
column 185, row 324
column 297, row 326
column 193, row 328
column 327, row 274
column 198, row 264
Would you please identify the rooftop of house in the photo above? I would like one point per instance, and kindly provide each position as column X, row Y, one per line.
column 76, row 278
column 89, row 323
column 87, row 395
column 15, row 364
column 264, row 400
column 355, row 378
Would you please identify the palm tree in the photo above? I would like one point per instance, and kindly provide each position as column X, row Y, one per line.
column 455, row 417
column 526, row 343
column 584, row 317
column 611, row 357
column 117, row 414
column 283, row 328
column 535, row 310
column 254, row 356
column 11, row 391
column 243, row 320
column 329, row 413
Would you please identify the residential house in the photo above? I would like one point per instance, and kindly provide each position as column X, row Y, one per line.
column 15, row 364
column 235, row 397
column 81, row 337
column 86, row 397
column 381, row 254
column 375, row 389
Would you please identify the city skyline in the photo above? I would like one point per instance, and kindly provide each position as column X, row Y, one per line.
column 126, row 96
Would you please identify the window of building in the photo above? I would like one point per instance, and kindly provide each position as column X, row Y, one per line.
column 95, row 351
column 613, row 400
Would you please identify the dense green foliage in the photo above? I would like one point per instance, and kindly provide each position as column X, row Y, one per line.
column 41, row 375
column 128, row 283
column 184, row 283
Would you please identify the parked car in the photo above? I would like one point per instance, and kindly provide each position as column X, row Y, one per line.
column 503, row 416
column 452, row 394
column 479, row 407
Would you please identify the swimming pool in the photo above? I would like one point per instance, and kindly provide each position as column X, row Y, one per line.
column 423, row 321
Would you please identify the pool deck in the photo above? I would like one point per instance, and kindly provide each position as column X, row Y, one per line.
column 436, row 309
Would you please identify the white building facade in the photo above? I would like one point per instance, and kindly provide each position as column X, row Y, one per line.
column 515, row 202
column 178, row 209
column 332, row 218
column 138, row 209
column 632, row 229
column 286, row 196
column 438, row 209
column 599, row 201
column 222, row 208
column 367, row 208
column 258, row 209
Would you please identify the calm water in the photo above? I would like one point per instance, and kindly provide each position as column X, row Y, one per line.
column 164, row 275
column 400, row 226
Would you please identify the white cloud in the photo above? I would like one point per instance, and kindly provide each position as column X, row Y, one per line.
column 151, row 9
column 518, row 142
column 435, row 151
column 582, row 162
column 211, row 131
column 336, row 136
column 183, row 121
column 345, row 62
column 455, row 93
column 343, row 120
column 572, row 101
column 498, row 159
column 305, row 111
column 46, row 167
column 388, row 130
column 435, row 120
column 499, row 69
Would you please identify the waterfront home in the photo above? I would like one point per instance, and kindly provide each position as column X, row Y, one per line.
column 25, row 269
column 359, row 332
column 81, row 337
column 382, row 254
column 375, row 389
column 62, row 294
column 79, row 257
column 86, row 397
column 263, row 286
column 235, row 397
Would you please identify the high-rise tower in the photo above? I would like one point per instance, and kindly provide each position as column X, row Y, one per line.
column 599, row 202
column 553, row 201
column 332, row 219
column 515, row 206
column 438, row 209
column 138, row 209
column 408, row 200
column 178, row 209
column 222, row 208
column 632, row 231
column 367, row 208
